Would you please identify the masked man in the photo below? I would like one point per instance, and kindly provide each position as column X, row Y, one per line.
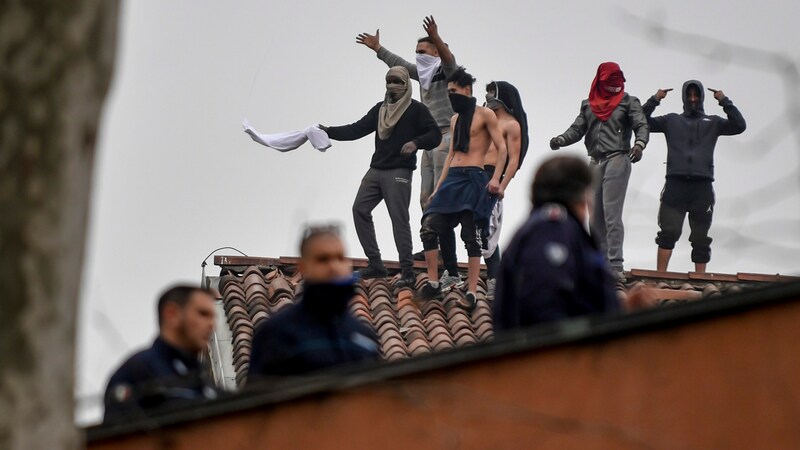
column 433, row 65
column 318, row 332
column 402, row 126
column 691, row 139
column 608, row 118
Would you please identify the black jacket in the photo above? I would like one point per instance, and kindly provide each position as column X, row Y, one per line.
column 311, row 335
column 416, row 125
column 552, row 270
column 692, row 136
column 613, row 135
column 157, row 377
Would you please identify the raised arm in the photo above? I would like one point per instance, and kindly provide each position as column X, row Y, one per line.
column 656, row 124
column 373, row 41
column 735, row 123
column 355, row 130
column 430, row 27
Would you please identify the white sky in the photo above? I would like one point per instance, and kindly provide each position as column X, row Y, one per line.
column 176, row 177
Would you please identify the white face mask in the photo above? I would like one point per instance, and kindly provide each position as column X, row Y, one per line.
column 427, row 66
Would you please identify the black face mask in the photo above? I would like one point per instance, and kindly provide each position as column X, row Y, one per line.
column 461, row 103
column 331, row 298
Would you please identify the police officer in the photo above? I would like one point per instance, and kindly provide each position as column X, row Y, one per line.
column 168, row 373
column 319, row 331
column 553, row 269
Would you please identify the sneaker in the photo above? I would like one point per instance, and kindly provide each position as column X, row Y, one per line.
column 491, row 283
column 428, row 292
column 373, row 271
column 408, row 280
column 447, row 282
column 472, row 300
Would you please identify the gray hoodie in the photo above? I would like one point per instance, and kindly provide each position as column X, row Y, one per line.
column 692, row 136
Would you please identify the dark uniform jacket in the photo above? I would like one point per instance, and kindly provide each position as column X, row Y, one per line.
column 159, row 376
column 692, row 136
column 416, row 124
column 552, row 270
column 613, row 135
column 317, row 333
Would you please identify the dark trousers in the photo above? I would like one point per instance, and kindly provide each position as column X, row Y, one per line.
column 679, row 197
column 436, row 225
column 392, row 186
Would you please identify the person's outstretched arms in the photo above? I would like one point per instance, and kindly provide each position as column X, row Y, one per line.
column 355, row 130
column 430, row 27
column 574, row 133
column 373, row 41
column 735, row 123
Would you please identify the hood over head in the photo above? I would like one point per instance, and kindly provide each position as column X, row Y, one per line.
column 688, row 109
column 508, row 95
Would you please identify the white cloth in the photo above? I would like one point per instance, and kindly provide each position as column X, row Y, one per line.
column 427, row 66
column 284, row 142
column 495, row 223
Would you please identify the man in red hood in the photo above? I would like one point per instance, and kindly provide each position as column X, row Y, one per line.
column 608, row 119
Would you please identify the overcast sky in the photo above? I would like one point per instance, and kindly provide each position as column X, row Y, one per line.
column 176, row 177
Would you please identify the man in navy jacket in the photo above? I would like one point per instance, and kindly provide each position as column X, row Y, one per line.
column 691, row 139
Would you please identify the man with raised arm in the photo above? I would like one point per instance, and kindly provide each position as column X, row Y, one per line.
column 433, row 64
column 464, row 194
column 691, row 139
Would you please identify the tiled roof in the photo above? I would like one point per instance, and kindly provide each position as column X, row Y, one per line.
column 254, row 289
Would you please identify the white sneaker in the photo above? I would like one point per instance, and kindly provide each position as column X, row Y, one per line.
column 491, row 283
column 447, row 282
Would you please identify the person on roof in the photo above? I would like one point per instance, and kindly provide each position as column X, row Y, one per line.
column 402, row 126
column 318, row 332
column 433, row 64
column 465, row 194
column 607, row 119
column 691, row 139
column 553, row 268
column 169, row 373
column 504, row 99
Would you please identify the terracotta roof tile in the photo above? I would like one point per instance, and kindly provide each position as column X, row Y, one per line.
column 405, row 328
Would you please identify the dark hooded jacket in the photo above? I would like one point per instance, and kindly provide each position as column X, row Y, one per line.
column 692, row 136
column 509, row 96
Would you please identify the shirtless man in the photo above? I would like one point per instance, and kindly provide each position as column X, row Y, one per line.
column 504, row 99
column 464, row 194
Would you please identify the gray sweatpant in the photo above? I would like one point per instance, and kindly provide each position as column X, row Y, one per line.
column 393, row 186
column 606, row 221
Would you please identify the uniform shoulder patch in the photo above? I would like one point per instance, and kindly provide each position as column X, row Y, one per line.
column 556, row 253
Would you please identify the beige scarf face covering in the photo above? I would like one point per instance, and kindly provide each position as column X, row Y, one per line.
column 390, row 113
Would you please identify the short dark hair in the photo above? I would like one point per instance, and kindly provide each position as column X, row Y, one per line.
column 561, row 179
column 427, row 40
column 179, row 295
column 461, row 78
column 314, row 231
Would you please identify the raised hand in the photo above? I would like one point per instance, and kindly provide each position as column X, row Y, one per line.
column 371, row 41
column 718, row 94
column 661, row 93
column 430, row 26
